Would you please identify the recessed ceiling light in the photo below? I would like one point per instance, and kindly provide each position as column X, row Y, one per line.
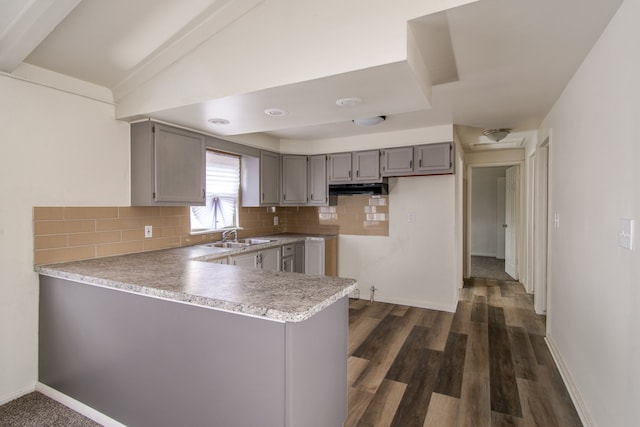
column 369, row 121
column 275, row 112
column 218, row 121
column 348, row 102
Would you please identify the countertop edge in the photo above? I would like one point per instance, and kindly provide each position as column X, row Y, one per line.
column 201, row 301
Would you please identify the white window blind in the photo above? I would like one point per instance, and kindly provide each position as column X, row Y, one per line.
column 221, row 195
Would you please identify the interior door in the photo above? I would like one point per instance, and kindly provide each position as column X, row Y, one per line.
column 511, row 231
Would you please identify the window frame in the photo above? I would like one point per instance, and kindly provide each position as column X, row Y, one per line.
column 238, row 200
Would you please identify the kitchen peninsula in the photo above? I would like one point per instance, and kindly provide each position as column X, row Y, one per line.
column 167, row 338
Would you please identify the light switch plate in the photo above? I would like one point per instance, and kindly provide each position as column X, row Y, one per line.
column 625, row 236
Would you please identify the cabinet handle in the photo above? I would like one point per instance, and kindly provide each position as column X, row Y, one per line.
column 410, row 164
column 357, row 174
column 284, row 197
column 420, row 163
column 349, row 174
column 203, row 194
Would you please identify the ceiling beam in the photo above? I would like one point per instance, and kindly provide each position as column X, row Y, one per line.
column 29, row 25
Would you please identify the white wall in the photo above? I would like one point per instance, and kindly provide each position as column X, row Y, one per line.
column 594, row 294
column 484, row 212
column 55, row 149
column 417, row 263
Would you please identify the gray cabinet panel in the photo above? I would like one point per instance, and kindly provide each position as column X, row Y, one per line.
column 314, row 347
column 270, row 259
column 397, row 161
column 339, row 168
column 269, row 178
column 150, row 362
column 318, row 187
column 246, row 260
column 434, row 158
column 366, row 166
column 299, row 258
column 294, row 180
column 167, row 166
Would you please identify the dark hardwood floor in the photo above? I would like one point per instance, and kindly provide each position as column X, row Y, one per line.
column 485, row 365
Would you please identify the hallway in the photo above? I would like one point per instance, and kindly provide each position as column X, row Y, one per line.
column 485, row 365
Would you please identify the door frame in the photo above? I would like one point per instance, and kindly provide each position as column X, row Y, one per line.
column 519, row 214
column 541, row 227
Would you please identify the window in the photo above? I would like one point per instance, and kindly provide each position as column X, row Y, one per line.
column 221, row 195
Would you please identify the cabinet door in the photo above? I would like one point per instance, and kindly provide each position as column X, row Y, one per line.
column 366, row 165
column 314, row 257
column 340, row 168
column 298, row 266
column 397, row 161
column 270, row 259
column 318, row 187
column 246, row 260
column 434, row 158
column 294, row 180
column 269, row 178
column 179, row 166
column 288, row 264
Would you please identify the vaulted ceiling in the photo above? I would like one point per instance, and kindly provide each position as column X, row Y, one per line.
column 476, row 64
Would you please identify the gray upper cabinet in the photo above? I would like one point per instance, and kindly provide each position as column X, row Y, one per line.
column 318, row 188
column 269, row 178
column 366, row 166
column 260, row 179
column 357, row 166
column 339, row 168
column 294, row 180
column 434, row 158
column 397, row 161
column 167, row 166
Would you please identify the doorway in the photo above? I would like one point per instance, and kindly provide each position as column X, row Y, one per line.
column 541, row 214
column 493, row 222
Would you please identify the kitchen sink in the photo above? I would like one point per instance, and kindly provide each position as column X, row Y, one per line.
column 255, row 241
column 228, row 245
column 241, row 243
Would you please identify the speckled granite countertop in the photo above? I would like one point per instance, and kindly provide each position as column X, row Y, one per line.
column 183, row 275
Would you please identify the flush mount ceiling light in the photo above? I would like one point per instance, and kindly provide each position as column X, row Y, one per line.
column 370, row 121
column 348, row 102
column 219, row 121
column 496, row 134
column 275, row 112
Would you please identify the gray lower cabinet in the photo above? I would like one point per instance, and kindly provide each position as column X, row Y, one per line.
column 266, row 259
column 167, row 166
column 299, row 259
column 146, row 361
column 314, row 256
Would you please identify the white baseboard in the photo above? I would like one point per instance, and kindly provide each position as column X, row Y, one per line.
column 77, row 406
column 414, row 303
column 490, row 255
column 13, row 396
column 574, row 392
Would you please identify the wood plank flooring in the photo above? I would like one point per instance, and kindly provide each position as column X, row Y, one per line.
column 485, row 365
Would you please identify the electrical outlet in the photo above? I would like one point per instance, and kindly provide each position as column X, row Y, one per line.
column 148, row 231
column 275, row 220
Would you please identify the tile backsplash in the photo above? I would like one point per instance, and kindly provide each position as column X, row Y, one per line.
column 73, row 233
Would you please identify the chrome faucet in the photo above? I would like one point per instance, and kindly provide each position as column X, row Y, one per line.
column 227, row 233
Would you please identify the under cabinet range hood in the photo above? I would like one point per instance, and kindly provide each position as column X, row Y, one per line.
column 377, row 188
